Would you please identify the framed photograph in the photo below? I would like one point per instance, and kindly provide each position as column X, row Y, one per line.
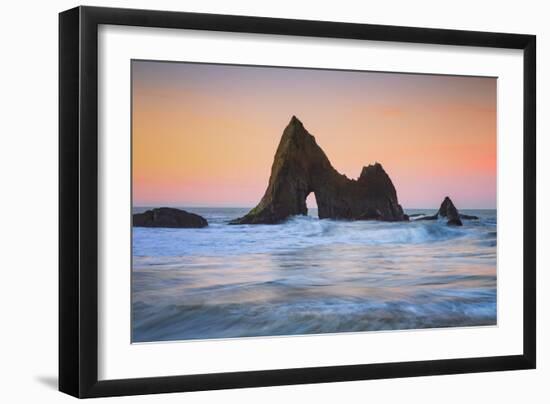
column 251, row 201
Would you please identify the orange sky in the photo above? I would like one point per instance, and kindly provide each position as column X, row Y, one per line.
column 205, row 135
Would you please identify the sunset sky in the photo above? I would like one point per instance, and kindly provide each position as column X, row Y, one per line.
column 205, row 135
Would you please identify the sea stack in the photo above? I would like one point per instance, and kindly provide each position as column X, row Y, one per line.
column 168, row 217
column 300, row 167
column 448, row 210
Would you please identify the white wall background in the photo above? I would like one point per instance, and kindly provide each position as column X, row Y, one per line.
column 28, row 200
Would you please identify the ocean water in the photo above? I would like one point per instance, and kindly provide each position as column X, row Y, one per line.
column 311, row 276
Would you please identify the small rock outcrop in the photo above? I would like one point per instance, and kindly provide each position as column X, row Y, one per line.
column 448, row 211
column 300, row 167
column 168, row 217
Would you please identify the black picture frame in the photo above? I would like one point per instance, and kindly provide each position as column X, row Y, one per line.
column 78, row 201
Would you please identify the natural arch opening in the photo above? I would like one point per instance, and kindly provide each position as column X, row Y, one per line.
column 311, row 205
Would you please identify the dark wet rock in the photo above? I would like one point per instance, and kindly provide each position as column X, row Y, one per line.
column 468, row 217
column 448, row 211
column 300, row 167
column 168, row 217
column 370, row 214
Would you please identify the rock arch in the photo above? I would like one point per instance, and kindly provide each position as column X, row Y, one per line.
column 300, row 167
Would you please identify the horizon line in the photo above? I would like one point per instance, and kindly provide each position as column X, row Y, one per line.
column 178, row 205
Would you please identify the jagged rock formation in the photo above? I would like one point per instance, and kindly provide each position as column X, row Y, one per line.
column 300, row 167
column 448, row 211
column 168, row 217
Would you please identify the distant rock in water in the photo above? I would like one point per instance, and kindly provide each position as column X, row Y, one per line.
column 450, row 212
column 168, row 217
column 300, row 167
